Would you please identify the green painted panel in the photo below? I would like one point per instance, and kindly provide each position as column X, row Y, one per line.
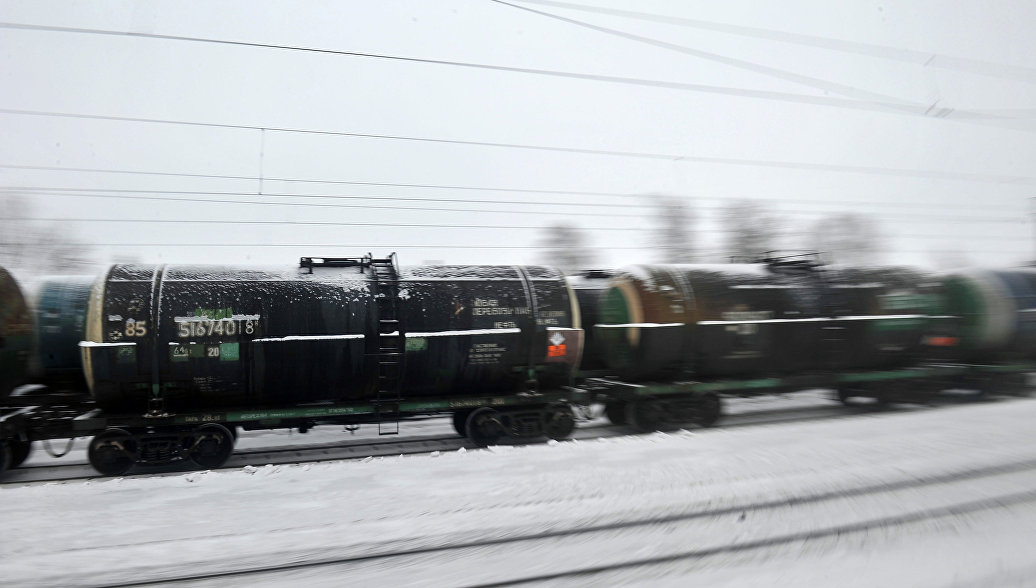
column 229, row 351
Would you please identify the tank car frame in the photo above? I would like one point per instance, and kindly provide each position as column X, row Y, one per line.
column 156, row 433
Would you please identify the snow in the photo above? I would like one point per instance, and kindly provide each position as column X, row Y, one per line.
column 712, row 494
column 639, row 325
column 96, row 344
column 460, row 333
column 305, row 338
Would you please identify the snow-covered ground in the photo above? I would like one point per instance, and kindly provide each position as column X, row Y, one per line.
column 937, row 497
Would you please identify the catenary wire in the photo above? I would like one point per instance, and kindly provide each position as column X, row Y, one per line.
column 805, row 166
column 646, row 199
column 368, row 246
column 141, row 221
column 868, row 105
column 133, row 195
column 817, row 83
column 511, row 189
column 203, row 221
column 924, row 58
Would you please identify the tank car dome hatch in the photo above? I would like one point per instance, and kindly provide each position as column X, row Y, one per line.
column 15, row 334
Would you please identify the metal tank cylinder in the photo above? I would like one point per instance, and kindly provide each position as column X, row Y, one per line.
column 197, row 337
column 664, row 321
column 59, row 312
column 15, row 334
column 589, row 288
column 995, row 312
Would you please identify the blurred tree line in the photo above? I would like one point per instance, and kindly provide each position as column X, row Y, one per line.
column 750, row 230
column 32, row 247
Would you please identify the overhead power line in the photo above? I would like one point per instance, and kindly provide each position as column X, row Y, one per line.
column 868, row 105
column 469, row 246
column 1007, row 119
column 101, row 191
column 400, row 225
column 309, row 223
column 526, row 210
column 896, row 108
column 817, row 83
column 795, row 165
column 528, row 207
column 924, row 58
column 646, row 201
column 642, row 196
column 365, row 247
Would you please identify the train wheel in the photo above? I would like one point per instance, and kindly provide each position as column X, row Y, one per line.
column 710, row 408
column 484, row 427
column 845, row 395
column 558, row 421
column 211, row 446
column 113, row 452
column 645, row 415
column 20, row 451
column 460, row 422
column 616, row 412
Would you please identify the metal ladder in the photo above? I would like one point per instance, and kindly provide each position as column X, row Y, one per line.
column 833, row 304
column 391, row 344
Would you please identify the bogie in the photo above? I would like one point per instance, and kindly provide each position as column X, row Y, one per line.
column 210, row 446
column 558, row 421
column 113, row 452
column 484, row 427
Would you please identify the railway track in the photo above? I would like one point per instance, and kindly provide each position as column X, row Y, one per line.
column 79, row 469
column 842, row 514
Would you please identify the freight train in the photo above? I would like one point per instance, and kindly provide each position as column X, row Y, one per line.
column 163, row 363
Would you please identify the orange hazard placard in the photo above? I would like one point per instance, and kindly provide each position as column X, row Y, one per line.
column 942, row 341
column 556, row 351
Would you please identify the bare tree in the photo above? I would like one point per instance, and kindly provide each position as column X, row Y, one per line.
column 751, row 230
column 565, row 246
column 848, row 238
column 42, row 249
column 672, row 240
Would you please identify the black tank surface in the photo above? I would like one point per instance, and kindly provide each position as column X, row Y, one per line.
column 59, row 311
column 589, row 288
column 882, row 316
column 197, row 337
column 661, row 321
column 475, row 329
column 15, row 334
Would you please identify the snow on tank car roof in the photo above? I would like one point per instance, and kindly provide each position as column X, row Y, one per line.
column 233, row 273
column 646, row 272
column 477, row 273
column 580, row 282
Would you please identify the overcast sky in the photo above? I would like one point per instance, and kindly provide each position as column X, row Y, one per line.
column 922, row 114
